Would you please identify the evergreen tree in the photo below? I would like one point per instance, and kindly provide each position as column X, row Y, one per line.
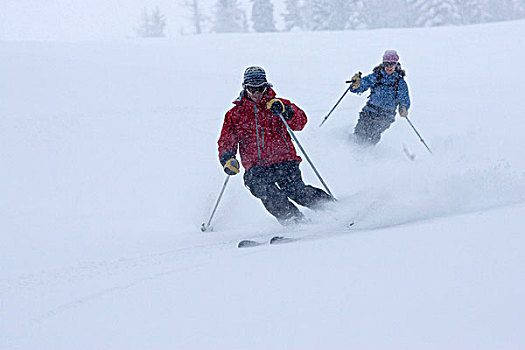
column 436, row 12
column 229, row 17
column 356, row 15
column 321, row 13
column 307, row 14
column 411, row 13
column 299, row 14
column 341, row 10
column 518, row 7
column 504, row 10
column 151, row 24
column 330, row 14
column 196, row 15
column 262, row 16
column 293, row 17
column 474, row 11
column 385, row 14
column 359, row 14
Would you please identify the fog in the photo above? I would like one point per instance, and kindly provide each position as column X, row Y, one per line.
column 80, row 20
column 71, row 20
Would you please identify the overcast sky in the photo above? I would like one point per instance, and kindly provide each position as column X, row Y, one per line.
column 82, row 19
column 72, row 20
column 76, row 20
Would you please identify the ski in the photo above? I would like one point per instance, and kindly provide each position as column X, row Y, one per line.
column 248, row 243
column 281, row 239
column 277, row 239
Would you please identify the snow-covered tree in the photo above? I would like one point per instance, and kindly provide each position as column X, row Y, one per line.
column 355, row 18
column 229, row 17
column 196, row 15
column 321, row 14
column 518, row 7
column 431, row 13
column 359, row 14
column 502, row 10
column 299, row 14
column 262, row 16
column 329, row 14
column 293, row 17
column 340, row 14
column 385, row 14
column 151, row 24
column 474, row 11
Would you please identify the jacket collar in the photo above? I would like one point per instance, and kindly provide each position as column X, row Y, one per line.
column 387, row 76
column 244, row 100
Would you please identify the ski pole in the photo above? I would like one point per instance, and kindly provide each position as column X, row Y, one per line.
column 348, row 81
column 420, row 138
column 305, row 155
column 206, row 226
column 334, row 107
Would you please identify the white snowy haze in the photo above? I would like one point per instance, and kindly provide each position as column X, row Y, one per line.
column 74, row 20
column 108, row 167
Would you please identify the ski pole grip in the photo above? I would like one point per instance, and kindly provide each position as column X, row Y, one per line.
column 352, row 80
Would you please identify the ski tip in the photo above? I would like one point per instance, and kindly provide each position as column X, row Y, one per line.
column 281, row 239
column 246, row 243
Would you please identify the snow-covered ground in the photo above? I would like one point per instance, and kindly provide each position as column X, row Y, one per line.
column 108, row 167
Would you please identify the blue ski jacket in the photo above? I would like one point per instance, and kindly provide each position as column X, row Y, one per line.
column 386, row 92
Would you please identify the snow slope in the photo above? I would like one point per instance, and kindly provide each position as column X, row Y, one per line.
column 108, row 167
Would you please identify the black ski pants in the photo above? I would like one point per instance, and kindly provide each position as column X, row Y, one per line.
column 370, row 126
column 274, row 185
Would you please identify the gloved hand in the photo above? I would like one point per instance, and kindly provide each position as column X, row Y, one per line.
column 403, row 111
column 230, row 164
column 231, row 167
column 356, row 80
column 277, row 107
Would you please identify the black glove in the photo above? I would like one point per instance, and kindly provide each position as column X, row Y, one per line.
column 230, row 164
column 277, row 107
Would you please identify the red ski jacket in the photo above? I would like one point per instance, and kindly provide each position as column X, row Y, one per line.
column 261, row 137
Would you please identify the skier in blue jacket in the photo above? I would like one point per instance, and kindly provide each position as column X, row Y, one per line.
column 388, row 92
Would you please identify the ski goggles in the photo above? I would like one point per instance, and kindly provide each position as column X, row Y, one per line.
column 256, row 89
column 389, row 64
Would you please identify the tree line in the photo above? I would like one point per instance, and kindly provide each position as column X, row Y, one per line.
column 228, row 16
column 313, row 15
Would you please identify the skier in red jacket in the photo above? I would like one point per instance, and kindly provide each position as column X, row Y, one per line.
column 271, row 164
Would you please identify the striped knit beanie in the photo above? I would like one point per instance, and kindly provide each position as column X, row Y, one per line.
column 254, row 76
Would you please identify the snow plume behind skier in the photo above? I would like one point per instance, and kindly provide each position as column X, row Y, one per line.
column 254, row 128
column 388, row 92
